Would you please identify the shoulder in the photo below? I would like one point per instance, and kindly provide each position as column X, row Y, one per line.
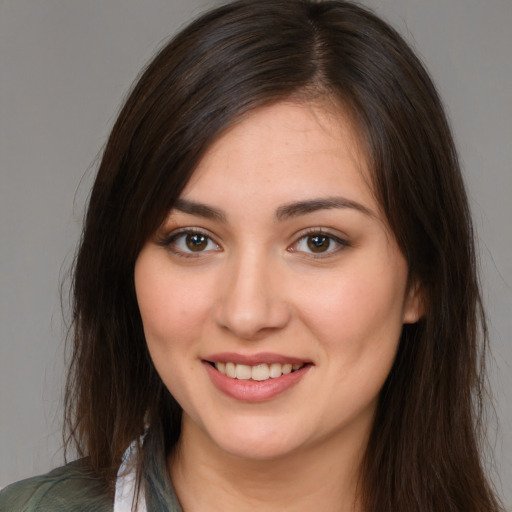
column 70, row 487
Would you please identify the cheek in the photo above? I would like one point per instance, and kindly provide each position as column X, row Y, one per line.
column 173, row 309
column 359, row 310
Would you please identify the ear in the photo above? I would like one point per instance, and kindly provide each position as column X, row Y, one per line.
column 414, row 305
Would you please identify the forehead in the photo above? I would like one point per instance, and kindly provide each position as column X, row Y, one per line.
column 290, row 148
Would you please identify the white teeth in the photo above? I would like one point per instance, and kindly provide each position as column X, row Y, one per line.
column 275, row 370
column 259, row 372
column 243, row 372
column 230, row 370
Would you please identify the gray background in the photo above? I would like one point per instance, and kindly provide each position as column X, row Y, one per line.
column 65, row 66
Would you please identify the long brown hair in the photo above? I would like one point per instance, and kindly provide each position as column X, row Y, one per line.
column 424, row 453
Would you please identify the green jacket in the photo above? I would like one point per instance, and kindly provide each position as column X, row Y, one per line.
column 72, row 488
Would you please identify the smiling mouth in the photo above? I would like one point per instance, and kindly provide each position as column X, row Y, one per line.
column 259, row 372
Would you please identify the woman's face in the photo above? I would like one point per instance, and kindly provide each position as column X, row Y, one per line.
column 274, row 294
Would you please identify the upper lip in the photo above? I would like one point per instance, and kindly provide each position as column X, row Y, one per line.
column 253, row 359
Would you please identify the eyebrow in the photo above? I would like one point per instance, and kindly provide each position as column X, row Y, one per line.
column 284, row 212
column 199, row 209
column 312, row 205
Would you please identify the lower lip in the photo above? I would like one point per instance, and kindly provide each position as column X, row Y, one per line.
column 253, row 390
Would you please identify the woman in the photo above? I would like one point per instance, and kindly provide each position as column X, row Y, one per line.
column 275, row 296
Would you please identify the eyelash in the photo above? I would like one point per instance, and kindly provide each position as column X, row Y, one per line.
column 341, row 243
column 170, row 241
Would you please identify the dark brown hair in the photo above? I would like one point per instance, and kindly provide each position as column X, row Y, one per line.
column 424, row 453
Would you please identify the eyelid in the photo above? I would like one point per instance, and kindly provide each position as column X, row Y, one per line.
column 167, row 240
column 340, row 240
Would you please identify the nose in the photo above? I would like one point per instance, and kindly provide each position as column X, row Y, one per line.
column 251, row 300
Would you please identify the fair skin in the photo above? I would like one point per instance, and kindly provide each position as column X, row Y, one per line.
column 277, row 260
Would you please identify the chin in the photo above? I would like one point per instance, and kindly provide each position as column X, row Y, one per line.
column 256, row 451
column 257, row 442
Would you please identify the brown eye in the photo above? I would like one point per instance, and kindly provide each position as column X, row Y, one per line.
column 190, row 243
column 196, row 242
column 318, row 243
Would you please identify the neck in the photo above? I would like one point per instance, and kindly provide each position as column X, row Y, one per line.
column 321, row 477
